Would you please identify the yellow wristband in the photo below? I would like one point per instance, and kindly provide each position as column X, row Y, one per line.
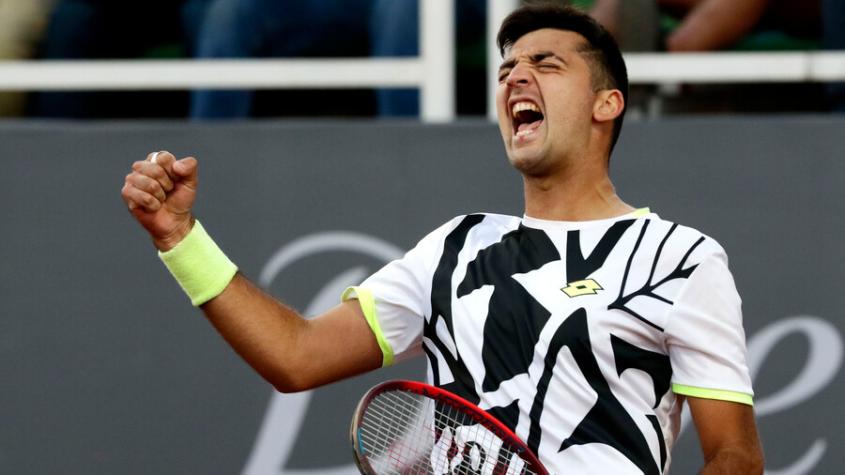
column 200, row 267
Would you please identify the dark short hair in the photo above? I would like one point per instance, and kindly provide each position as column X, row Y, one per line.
column 607, row 66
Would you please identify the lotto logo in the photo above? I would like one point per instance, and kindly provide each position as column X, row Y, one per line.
column 582, row 287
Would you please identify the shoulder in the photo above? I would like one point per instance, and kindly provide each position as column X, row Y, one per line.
column 685, row 242
column 467, row 230
column 478, row 222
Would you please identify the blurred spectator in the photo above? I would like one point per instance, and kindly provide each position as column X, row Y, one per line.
column 107, row 29
column 22, row 26
column 326, row 28
column 276, row 28
column 834, row 39
column 395, row 32
column 717, row 24
column 104, row 29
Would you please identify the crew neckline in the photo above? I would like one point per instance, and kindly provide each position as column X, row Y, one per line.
column 552, row 224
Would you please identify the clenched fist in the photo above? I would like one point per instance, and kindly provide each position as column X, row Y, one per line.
column 160, row 192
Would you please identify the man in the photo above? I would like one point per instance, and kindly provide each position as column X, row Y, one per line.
column 583, row 325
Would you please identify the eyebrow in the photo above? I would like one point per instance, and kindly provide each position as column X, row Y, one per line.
column 534, row 58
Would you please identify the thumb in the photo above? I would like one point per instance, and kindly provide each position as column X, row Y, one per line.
column 181, row 199
column 186, row 170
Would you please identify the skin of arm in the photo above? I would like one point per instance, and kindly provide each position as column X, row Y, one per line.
column 706, row 25
column 728, row 436
column 289, row 351
column 714, row 24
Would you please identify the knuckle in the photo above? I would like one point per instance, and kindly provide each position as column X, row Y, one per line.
column 144, row 182
column 160, row 175
column 156, row 188
column 153, row 171
column 134, row 179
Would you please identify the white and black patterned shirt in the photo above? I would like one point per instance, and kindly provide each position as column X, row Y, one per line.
column 582, row 337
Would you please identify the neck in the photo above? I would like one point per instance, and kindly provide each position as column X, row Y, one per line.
column 573, row 195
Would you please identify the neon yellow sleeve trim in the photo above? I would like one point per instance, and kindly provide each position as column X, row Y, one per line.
column 368, row 306
column 199, row 266
column 641, row 212
column 718, row 394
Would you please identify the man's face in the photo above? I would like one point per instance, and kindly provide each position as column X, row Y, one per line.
column 545, row 101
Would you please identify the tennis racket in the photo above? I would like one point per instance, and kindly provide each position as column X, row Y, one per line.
column 409, row 428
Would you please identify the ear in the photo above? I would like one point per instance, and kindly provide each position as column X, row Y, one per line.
column 609, row 105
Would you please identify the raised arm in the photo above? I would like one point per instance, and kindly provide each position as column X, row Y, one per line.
column 289, row 351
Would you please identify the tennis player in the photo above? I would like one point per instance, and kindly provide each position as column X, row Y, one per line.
column 584, row 325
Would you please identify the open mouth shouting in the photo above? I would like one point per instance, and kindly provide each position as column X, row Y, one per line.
column 526, row 118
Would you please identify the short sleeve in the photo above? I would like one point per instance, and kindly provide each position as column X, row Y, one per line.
column 705, row 337
column 397, row 297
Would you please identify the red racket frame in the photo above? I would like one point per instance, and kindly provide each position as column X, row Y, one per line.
column 441, row 395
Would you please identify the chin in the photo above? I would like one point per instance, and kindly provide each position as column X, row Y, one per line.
column 526, row 163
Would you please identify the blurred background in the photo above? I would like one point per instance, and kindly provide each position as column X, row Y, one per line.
column 788, row 75
column 332, row 135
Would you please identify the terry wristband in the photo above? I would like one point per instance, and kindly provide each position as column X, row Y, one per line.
column 200, row 267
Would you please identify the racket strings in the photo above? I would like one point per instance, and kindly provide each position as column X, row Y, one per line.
column 395, row 432
column 409, row 434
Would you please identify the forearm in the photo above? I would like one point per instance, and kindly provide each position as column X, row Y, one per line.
column 262, row 330
column 293, row 353
column 290, row 352
column 715, row 24
column 733, row 461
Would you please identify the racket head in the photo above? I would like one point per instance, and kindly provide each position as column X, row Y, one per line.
column 408, row 427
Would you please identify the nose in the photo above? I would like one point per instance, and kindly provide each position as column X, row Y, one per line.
column 518, row 76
